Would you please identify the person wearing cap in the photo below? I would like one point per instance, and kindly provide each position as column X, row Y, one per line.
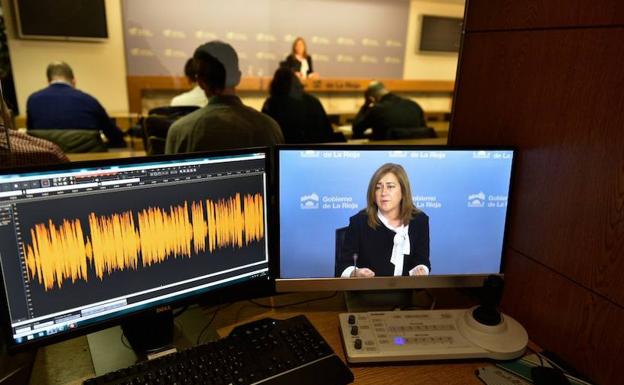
column 225, row 122
column 389, row 116
column 62, row 106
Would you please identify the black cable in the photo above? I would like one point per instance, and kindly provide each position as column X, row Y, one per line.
column 123, row 342
column 214, row 315
column 291, row 304
column 537, row 354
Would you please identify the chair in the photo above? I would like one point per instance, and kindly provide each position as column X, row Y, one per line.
column 73, row 141
column 340, row 237
column 172, row 110
column 157, row 123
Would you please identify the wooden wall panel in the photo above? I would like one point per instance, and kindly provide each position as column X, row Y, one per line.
column 557, row 95
column 532, row 14
column 546, row 76
column 583, row 328
column 138, row 85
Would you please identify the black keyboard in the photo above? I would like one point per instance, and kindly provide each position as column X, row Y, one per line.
column 268, row 352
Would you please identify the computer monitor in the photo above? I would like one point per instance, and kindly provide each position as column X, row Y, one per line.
column 87, row 245
column 329, row 229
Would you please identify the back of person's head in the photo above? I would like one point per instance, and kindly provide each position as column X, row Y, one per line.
column 190, row 70
column 285, row 83
column 59, row 70
column 217, row 66
column 376, row 90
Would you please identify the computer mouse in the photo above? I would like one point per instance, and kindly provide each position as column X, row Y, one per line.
column 542, row 375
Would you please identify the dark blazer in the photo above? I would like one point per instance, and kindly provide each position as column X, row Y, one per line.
column 374, row 246
column 302, row 118
column 392, row 117
column 61, row 106
column 294, row 64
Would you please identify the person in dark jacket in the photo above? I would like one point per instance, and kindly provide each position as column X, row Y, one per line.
column 62, row 106
column 390, row 116
column 390, row 237
column 300, row 115
column 225, row 122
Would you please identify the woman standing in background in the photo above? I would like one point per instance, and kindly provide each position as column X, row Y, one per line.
column 299, row 61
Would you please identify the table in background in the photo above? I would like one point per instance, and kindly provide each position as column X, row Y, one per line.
column 112, row 154
column 421, row 142
column 69, row 362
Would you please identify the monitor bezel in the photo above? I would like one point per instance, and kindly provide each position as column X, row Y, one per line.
column 251, row 288
column 283, row 285
column 28, row 36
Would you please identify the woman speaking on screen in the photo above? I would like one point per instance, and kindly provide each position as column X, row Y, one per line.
column 391, row 236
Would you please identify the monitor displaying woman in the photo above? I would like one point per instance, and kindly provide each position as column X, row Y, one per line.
column 366, row 214
column 390, row 236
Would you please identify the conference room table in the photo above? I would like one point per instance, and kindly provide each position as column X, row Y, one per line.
column 69, row 362
column 111, row 154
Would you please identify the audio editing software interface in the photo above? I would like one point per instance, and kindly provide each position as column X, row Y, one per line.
column 82, row 245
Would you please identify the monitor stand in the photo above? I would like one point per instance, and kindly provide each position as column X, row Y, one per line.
column 385, row 300
column 109, row 353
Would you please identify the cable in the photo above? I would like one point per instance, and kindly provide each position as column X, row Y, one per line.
column 537, row 354
column 214, row 315
column 291, row 304
column 123, row 341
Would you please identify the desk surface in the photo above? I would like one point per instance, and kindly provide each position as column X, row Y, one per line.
column 114, row 154
column 69, row 362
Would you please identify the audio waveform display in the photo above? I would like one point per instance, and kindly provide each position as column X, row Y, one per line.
column 119, row 242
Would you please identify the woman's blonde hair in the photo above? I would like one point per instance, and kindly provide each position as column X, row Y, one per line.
column 407, row 209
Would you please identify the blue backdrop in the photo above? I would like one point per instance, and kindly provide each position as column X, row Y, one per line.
column 464, row 193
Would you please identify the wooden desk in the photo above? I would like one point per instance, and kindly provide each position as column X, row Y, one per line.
column 113, row 154
column 139, row 85
column 342, row 117
column 423, row 142
column 69, row 362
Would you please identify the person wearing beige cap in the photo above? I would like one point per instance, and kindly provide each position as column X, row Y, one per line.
column 225, row 122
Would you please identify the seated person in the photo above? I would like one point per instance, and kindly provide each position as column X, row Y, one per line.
column 62, row 106
column 225, row 122
column 19, row 149
column 300, row 115
column 194, row 97
column 299, row 61
column 390, row 116
column 390, row 237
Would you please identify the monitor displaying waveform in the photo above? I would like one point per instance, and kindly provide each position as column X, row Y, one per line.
column 124, row 241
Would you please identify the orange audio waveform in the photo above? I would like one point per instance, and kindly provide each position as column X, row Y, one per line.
column 117, row 242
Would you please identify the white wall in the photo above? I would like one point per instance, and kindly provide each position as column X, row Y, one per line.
column 99, row 68
column 429, row 66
